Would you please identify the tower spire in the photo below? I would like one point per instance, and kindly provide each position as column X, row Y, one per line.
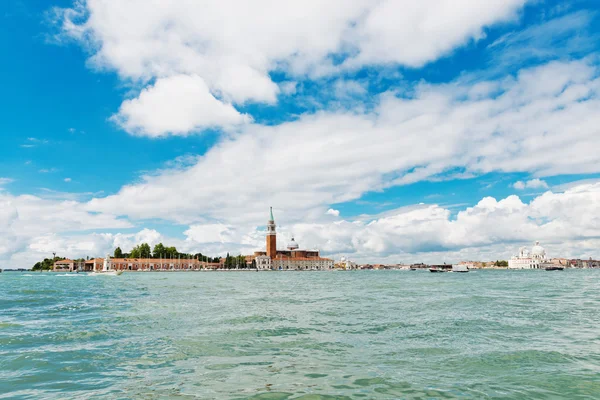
column 271, row 236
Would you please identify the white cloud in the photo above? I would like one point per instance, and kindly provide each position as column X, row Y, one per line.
column 288, row 87
column 557, row 38
column 67, row 179
column 4, row 181
column 233, row 46
column 531, row 184
column 177, row 105
column 566, row 224
column 25, row 218
column 211, row 233
column 331, row 157
column 335, row 213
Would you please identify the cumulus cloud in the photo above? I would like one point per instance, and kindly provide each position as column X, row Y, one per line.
column 233, row 46
column 25, row 219
column 566, row 223
column 176, row 105
column 531, row 184
column 559, row 220
column 335, row 213
column 438, row 132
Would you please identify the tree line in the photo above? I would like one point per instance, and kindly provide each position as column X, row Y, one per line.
column 239, row 262
column 161, row 251
column 47, row 264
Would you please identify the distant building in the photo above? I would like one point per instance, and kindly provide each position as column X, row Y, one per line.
column 346, row 264
column 95, row 264
column 534, row 259
column 577, row 263
column 291, row 259
column 65, row 265
column 153, row 264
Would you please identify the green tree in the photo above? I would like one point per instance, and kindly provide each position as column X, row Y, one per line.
column 171, row 252
column 135, row 252
column 145, row 250
column 47, row 264
column 158, row 251
column 118, row 253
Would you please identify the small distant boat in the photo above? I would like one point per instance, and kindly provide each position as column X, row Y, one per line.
column 554, row 268
column 460, row 268
column 437, row 270
column 111, row 272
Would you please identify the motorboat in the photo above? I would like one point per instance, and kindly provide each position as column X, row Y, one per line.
column 460, row 268
column 440, row 268
column 435, row 269
column 556, row 268
column 111, row 272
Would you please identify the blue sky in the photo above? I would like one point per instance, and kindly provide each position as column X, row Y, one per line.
column 370, row 128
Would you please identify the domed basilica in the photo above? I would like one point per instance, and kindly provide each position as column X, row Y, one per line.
column 534, row 259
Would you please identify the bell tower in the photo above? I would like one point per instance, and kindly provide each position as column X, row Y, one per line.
column 271, row 237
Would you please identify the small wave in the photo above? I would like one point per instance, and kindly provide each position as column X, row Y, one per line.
column 68, row 275
column 28, row 275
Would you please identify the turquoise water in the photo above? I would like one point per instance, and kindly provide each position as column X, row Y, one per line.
column 290, row 335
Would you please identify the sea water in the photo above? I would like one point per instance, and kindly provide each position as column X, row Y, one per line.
column 301, row 335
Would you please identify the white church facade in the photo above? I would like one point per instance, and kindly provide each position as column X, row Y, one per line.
column 534, row 259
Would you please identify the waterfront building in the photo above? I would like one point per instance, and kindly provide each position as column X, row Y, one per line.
column 65, row 265
column 578, row 263
column 95, row 264
column 154, row 264
column 346, row 264
column 534, row 259
column 291, row 259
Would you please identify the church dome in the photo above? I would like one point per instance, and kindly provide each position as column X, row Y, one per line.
column 292, row 245
column 538, row 250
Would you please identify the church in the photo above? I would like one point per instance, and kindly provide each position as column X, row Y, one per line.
column 534, row 259
column 291, row 259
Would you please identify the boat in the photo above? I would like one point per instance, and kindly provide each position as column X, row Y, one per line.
column 460, row 268
column 554, row 268
column 112, row 272
column 437, row 270
column 440, row 268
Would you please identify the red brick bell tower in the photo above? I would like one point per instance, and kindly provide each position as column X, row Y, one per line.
column 271, row 237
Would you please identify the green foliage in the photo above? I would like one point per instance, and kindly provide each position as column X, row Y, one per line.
column 47, row 264
column 135, row 252
column 164, row 252
column 232, row 262
column 144, row 250
column 501, row 263
column 158, row 251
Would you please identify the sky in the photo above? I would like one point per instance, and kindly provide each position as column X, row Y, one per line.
column 385, row 131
